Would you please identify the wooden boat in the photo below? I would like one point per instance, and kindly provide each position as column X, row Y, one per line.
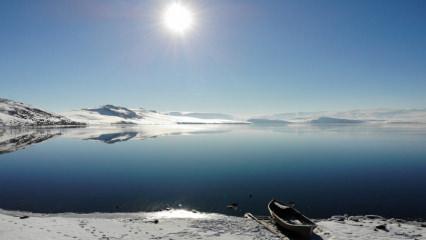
column 288, row 218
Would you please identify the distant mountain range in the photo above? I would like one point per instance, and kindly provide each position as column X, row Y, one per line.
column 391, row 116
column 110, row 114
column 16, row 114
column 329, row 120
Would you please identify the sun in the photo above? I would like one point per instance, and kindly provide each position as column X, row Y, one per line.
column 178, row 18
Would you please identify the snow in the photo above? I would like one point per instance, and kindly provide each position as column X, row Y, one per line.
column 366, row 227
column 185, row 224
column 173, row 224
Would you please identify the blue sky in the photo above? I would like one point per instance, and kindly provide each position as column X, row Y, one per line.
column 242, row 57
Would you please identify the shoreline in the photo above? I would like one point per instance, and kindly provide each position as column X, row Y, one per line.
column 183, row 224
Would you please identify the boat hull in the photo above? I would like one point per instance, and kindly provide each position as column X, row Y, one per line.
column 305, row 229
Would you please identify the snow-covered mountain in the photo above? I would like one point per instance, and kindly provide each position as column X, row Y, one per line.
column 14, row 114
column 354, row 116
column 110, row 114
column 115, row 111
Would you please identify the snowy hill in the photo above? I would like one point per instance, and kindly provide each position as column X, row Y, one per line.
column 110, row 114
column 111, row 110
column 14, row 114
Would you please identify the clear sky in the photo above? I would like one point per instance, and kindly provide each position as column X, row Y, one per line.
column 242, row 56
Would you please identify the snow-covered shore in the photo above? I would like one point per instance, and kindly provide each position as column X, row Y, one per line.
column 182, row 224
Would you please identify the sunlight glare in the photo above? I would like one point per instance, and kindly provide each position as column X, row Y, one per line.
column 180, row 213
column 178, row 18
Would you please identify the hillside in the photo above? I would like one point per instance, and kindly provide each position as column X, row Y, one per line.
column 14, row 114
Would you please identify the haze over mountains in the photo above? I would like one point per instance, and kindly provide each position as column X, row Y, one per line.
column 16, row 114
column 353, row 116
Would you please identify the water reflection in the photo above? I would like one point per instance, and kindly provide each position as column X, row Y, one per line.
column 12, row 139
column 326, row 170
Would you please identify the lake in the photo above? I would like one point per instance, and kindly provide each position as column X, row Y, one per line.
column 325, row 169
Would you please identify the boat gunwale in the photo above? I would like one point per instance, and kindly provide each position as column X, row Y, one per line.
column 274, row 215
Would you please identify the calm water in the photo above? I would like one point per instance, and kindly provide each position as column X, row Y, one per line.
column 325, row 170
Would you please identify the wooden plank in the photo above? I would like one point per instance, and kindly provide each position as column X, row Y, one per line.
column 267, row 225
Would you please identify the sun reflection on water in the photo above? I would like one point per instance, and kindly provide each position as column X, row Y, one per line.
column 180, row 213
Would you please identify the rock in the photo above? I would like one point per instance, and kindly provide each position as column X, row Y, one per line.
column 23, row 217
column 382, row 227
column 373, row 217
column 354, row 218
column 232, row 206
column 338, row 218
